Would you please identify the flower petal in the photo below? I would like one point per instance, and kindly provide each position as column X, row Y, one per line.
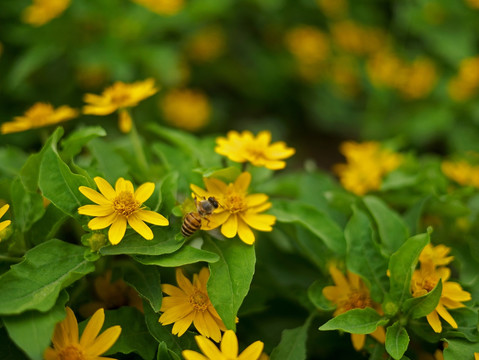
column 4, row 209
column 193, row 355
column 229, row 344
column 252, row 352
column 358, row 341
column 94, row 195
column 434, row 321
column 230, row 227
column 144, row 192
column 4, row 224
column 242, row 182
column 441, row 310
column 199, row 191
column 172, row 290
column 96, row 210
column 117, row 230
column 208, row 348
column 140, row 227
column 215, row 186
column 102, row 222
column 152, row 217
column 184, row 283
column 245, row 233
column 92, row 328
column 105, row 341
column 256, row 199
column 181, row 325
column 262, row 222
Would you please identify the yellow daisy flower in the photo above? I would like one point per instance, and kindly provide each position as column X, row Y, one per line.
column 42, row 11
column 39, row 115
column 351, row 293
column 228, row 349
column 425, row 279
column 238, row 210
column 90, row 346
column 119, row 96
column 258, row 151
column 5, row 223
column 461, row 172
column 437, row 255
column 119, row 206
column 189, row 303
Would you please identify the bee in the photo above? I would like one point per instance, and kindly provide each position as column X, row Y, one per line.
column 192, row 220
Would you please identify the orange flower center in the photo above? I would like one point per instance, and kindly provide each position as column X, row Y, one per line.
column 125, row 203
column 199, row 300
column 429, row 283
column 71, row 352
column 120, row 99
column 255, row 153
column 234, row 203
column 356, row 300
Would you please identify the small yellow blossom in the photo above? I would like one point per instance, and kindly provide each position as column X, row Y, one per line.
column 228, row 349
column 416, row 80
column 42, row 11
column 259, row 151
column 351, row 293
column 162, row 7
column 4, row 223
column 186, row 109
column 39, row 115
column 119, row 206
column 357, row 39
column 333, row 8
column 67, row 346
column 461, row 172
column 119, row 96
column 308, row 44
column 367, row 164
column 189, row 303
column 207, row 44
column 238, row 210
column 466, row 83
column 436, row 255
column 425, row 279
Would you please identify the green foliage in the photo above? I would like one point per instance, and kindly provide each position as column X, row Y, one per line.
column 356, row 321
column 293, row 343
column 397, row 340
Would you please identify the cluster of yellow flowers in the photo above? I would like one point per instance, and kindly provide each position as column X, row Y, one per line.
column 432, row 269
column 465, row 85
column 367, row 164
column 461, row 172
column 42, row 11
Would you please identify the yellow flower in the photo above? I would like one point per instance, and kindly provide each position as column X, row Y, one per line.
column 207, row 44
column 39, row 115
column 436, row 255
column 351, row 293
column 333, row 8
column 461, row 172
column 417, row 80
column 356, row 38
column 238, row 210
column 186, row 109
column 190, row 304
column 42, row 11
column 425, row 279
column 473, row 3
column 5, row 223
column 308, row 44
column 119, row 96
column 119, row 206
column 258, row 151
column 228, row 349
column 162, row 7
column 466, row 83
column 367, row 164
column 66, row 345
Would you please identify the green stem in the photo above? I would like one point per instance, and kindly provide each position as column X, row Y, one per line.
column 10, row 258
column 138, row 148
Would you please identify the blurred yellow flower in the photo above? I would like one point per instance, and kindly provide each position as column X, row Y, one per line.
column 259, row 151
column 461, row 172
column 42, row 11
column 4, row 223
column 162, row 7
column 383, row 67
column 189, row 303
column 473, row 3
column 465, row 85
column 67, row 346
column 349, row 293
column 416, row 80
column 356, row 38
column 308, row 44
column 119, row 96
column 206, row 44
column 436, row 255
column 39, row 115
column 238, row 210
column 333, row 8
column 186, row 109
column 228, row 349
column 367, row 164
column 119, row 206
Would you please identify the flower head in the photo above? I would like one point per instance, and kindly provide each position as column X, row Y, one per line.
column 119, row 206
column 119, row 96
column 42, row 11
column 308, row 44
column 162, row 7
column 207, row 44
column 228, row 349
column 257, row 150
column 186, row 109
column 190, row 304
column 66, row 345
column 461, row 172
column 436, row 255
column 351, row 293
column 39, row 115
column 238, row 210
column 4, row 223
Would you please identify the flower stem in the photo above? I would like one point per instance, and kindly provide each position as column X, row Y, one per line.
column 10, row 258
column 138, row 148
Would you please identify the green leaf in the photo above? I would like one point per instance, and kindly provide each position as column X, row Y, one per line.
column 34, row 284
column 27, row 206
column 460, row 349
column 110, row 163
column 293, row 343
column 169, row 189
column 31, row 171
column 32, row 330
column 164, row 242
column 413, row 216
column 230, row 277
column 356, row 321
column 134, row 336
column 57, row 183
column 315, row 221
column 164, row 354
column 73, row 144
column 11, row 160
column 315, row 295
column 45, row 229
column 423, row 305
column 401, row 267
column 392, row 229
column 364, row 257
column 186, row 255
column 146, row 280
column 397, row 340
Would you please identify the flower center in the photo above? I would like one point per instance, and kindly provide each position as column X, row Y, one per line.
column 199, row 301
column 234, row 203
column 429, row 283
column 255, row 154
column 71, row 352
column 120, row 98
column 357, row 300
column 125, row 203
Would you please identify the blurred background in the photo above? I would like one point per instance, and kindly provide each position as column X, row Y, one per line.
column 315, row 72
